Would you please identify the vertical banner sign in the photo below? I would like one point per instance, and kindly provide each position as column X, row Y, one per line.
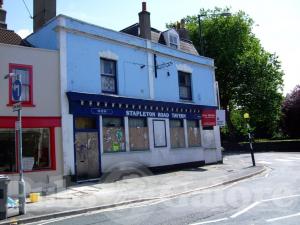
column 221, row 120
column 208, row 117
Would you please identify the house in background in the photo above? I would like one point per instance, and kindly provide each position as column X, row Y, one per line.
column 41, row 113
column 131, row 96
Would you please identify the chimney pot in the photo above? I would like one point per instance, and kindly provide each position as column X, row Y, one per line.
column 182, row 23
column 2, row 16
column 144, row 6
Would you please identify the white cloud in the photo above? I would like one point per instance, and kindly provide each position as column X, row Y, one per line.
column 24, row 32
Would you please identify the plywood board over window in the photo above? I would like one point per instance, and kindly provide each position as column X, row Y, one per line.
column 193, row 130
column 113, row 134
column 177, row 134
column 160, row 136
column 138, row 134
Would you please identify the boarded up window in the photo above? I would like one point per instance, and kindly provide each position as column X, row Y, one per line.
column 193, row 130
column 138, row 134
column 113, row 134
column 177, row 134
column 159, row 133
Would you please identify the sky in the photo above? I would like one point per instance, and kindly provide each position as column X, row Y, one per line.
column 276, row 21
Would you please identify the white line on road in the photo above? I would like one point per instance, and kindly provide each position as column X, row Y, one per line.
column 279, row 198
column 264, row 162
column 295, row 158
column 266, row 176
column 283, row 217
column 211, row 221
column 245, row 210
column 284, row 160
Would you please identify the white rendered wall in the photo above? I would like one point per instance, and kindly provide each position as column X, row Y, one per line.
column 66, row 118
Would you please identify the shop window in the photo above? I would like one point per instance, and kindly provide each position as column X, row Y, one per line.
column 108, row 76
column 85, row 123
column 113, row 134
column 193, row 130
column 36, row 149
column 159, row 131
column 7, row 152
column 25, row 74
column 185, row 86
column 138, row 134
column 177, row 134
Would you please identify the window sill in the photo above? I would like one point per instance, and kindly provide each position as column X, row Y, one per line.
column 30, row 171
column 141, row 150
column 23, row 104
column 186, row 100
column 114, row 152
column 181, row 148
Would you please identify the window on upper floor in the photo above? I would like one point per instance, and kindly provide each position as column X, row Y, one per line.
column 173, row 41
column 25, row 75
column 185, row 85
column 108, row 76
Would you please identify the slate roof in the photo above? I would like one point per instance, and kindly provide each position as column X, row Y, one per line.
column 157, row 37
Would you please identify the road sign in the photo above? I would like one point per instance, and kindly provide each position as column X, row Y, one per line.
column 17, row 106
column 17, row 90
column 221, row 121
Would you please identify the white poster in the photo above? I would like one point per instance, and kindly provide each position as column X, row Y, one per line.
column 28, row 163
column 221, row 120
column 159, row 130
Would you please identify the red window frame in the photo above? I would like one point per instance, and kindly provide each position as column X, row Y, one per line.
column 35, row 122
column 28, row 103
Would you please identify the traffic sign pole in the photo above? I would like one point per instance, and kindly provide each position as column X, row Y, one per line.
column 17, row 93
column 22, row 193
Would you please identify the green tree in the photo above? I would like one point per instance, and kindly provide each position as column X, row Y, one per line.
column 291, row 113
column 250, row 78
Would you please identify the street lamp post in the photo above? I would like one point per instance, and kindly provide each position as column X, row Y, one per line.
column 247, row 117
column 16, row 94
column 200, row 28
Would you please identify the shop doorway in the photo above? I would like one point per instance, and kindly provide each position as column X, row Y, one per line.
column 87, row 149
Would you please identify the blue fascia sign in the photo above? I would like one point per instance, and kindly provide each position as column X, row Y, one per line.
column 140, row 113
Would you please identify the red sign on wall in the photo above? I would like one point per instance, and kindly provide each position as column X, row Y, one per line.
column 208, row 117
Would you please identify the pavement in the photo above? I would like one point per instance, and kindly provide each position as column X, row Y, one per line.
column 132, row 188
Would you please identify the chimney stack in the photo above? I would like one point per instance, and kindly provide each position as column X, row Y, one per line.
column 183, row 33
column 144, row 22
column 2, row 17
column 43, row 11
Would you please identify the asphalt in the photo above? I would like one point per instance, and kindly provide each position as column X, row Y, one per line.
column 134, row 190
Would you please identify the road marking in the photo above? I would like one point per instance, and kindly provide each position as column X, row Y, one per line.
column 283, row 217
column 279, row 198
column 284, row 160
column 54, row 220
column 211, row 221
column 266, row 176
column 295, row 158
column 264, row 162
column 230, row 185
column 245, row 210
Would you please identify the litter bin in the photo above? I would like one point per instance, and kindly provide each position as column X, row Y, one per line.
column 3, row 197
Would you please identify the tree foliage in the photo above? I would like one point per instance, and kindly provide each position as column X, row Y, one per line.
column 291, row 113
column 250, row 78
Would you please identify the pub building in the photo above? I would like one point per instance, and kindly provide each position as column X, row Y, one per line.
column 155, row 134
